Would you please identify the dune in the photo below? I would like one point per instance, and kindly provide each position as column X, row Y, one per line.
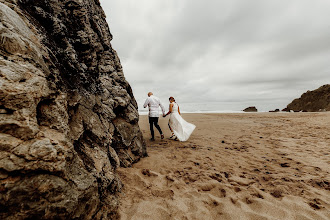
column 234, row 166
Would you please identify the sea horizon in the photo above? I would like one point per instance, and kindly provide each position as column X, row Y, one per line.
column 145, row 112
column 217, row 107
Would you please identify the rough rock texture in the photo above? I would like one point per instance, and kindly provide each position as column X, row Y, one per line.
column 312, row 101
column 68, row 117
column 251, row 109
column 276, row 110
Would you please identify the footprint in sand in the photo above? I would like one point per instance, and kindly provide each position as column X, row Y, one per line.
column 216, row 176
column 316, row 204
column 257, row 195
column 248, row 200
column 223, row 193
column 147, row 172
column 285, row 164
column 163, row 193
column 237, row 189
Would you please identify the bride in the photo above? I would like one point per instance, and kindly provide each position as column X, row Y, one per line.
column 179, row 127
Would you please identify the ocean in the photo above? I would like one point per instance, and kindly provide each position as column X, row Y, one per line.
column 213, row 107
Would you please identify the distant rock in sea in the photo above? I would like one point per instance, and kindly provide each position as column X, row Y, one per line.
column 276, row 110
column 251, row 109
column 68, row 117
column 312, row 101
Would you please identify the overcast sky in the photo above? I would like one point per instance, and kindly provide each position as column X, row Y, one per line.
column 235, row 53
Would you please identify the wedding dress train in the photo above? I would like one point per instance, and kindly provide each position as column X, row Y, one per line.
column 180, row 127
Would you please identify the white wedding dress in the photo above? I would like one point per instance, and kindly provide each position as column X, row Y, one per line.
column 180, row 127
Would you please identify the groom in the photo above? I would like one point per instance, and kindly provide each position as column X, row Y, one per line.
column 154, row 103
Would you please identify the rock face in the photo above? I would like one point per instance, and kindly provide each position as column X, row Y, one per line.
column 68, row 117
column 276, row 110
column 312, row 101
column 251, row 109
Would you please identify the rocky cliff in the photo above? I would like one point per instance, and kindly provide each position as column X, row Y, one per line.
column 251, row 109
column 312, row 101
column 68, row 117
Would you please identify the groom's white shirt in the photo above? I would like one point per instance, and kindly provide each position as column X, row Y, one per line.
column 154, row 102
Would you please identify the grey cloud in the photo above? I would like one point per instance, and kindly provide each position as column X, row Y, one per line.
column 222, row 51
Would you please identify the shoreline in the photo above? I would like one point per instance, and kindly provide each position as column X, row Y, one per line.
column 241, row 112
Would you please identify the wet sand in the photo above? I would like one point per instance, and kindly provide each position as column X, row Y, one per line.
column 234, row 166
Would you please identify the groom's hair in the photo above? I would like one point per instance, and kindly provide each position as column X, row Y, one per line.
column 171, row 98
column 149, row 94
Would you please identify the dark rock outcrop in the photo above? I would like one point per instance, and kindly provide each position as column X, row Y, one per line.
column 312, row 101
column 68, row 117
column 251, row 109
column 276, row 110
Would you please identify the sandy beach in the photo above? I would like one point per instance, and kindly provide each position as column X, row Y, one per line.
column 234, row 166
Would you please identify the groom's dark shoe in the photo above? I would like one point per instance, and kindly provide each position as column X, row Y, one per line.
column 152, row 139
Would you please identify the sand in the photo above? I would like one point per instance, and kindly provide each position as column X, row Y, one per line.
column 234, row 166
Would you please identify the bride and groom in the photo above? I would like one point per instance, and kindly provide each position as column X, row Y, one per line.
column 181, row 130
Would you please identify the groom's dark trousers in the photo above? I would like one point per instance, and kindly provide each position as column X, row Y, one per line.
column 154, row 121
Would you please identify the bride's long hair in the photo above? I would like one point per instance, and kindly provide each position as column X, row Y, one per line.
column 172, row 99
